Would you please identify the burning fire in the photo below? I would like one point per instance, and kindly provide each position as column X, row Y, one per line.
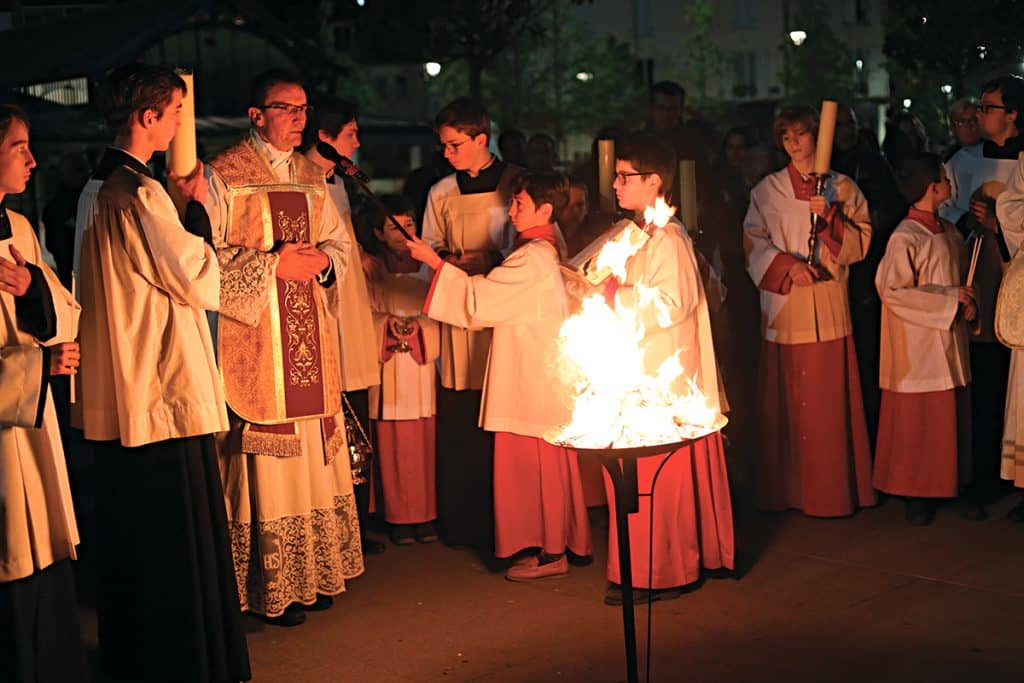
column 618, row 402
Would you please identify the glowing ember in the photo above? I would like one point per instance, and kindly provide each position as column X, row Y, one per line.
column 617, row 401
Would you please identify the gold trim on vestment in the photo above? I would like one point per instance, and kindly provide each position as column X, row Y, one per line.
column 277, row 445
column 284, row 352
column 276, row 344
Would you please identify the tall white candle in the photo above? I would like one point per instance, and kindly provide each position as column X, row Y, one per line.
column 606, row 174
column 826, row 134
column 688, row 194
column 181, row 155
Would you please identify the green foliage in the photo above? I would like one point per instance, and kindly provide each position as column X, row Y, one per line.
column 702, row 54
column 823, row 66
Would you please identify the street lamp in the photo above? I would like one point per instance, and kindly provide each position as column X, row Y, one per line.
column 584, row 76
column 798, row 37
column 907, row 102
column 947, row 89
column 432, row 69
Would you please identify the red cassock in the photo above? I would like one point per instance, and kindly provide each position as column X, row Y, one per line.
column 924, row 427
column 814, row 453
column 692, row 521
column 538, row 498
column 405, row 455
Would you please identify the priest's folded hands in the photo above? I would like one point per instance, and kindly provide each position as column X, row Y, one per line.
column 300, row 261
column 65, row 359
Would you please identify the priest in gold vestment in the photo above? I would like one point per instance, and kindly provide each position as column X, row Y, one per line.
column 282, row 250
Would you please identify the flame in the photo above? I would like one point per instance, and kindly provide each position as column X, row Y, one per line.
column 617, row 400
column 617, row 252
column 659, row 214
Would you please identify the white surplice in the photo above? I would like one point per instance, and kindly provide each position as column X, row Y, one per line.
column 145, row 284
column 924, row 347
column 37, row 520
column 1010, row 211
column 355, row 318
column 458, row 222
column 524, row 300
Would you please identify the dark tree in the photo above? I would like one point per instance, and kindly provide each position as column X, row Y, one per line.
column 477, row 31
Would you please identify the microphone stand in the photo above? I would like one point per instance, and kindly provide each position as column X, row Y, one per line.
column 348, row 167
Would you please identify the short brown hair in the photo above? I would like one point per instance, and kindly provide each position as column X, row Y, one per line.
column 136, row 88
column 8, row 114
column 649, row 153
column 544, row 187
column 329, row 116
column 465, row 115
column 265, row 81
column 792, row 117
column 917, row 173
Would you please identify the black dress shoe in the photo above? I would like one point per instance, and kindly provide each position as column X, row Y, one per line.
column 919, row 512
column 322, row 603
column 402, row 534
column 973, row 511
column 292, row 616
column 372, row 547
column 425, row 533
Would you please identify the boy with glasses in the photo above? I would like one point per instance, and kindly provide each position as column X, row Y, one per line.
column 692, row 523
column 466, row 222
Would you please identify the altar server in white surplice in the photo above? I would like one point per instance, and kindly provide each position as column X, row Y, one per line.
column 151, row 398
column 39, row 631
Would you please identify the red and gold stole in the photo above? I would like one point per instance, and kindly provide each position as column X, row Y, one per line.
column 286, row 368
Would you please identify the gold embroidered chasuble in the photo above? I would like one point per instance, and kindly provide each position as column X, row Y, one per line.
column 277, row 339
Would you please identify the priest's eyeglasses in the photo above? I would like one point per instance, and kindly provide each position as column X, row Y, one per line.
column 289, row 109
column 622, row 176
column 985, row 108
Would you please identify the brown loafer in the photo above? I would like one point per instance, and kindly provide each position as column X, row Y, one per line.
column 531, row 569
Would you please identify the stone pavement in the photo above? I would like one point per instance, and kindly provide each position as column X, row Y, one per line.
column 868, row 598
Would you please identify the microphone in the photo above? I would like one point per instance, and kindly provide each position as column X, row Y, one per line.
column 344, row 164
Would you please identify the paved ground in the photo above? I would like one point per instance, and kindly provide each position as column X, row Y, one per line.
column 868, row 598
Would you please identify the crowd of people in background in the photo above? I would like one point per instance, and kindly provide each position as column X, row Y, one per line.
column 239, row 340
